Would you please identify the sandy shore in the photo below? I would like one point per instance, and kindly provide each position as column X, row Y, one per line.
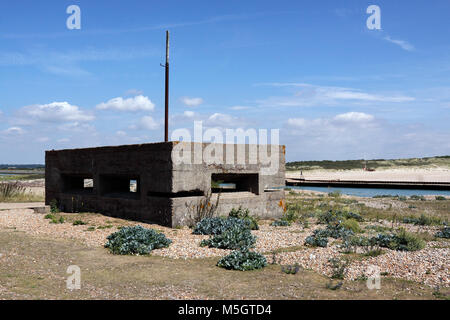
column 403, row 174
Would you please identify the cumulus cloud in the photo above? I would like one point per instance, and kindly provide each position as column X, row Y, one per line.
column 55, row 112
column 137, row 103
column 312, row 95
column 405, row 45
column 191, row 102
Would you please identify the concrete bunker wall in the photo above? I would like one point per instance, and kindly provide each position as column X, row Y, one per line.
column 142, row 182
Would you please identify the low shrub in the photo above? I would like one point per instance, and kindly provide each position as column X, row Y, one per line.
column 319, row 238
column 405, row 241
column 335, row 194
column 402, row 241
column 440, row 198
column 291, row 269
column 423, row 220
column 243, row 260
column 57, row 220
column 280, row 223
column 444, row 233
column 351, row 224
column 290, row 216
column 234, row 238
column 244, row 214
column 339, row 268
column 335, row 216
column 416, row 197
column 136, row 240
column 316, row 241
column 54, row 208
column 50, row 216
column 218, row 225
column 79, row 223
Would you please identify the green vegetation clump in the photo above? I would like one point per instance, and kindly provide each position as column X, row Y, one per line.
column 335, row 194
column 335, row 216
column 423, row 220
column 416, row 197
column 280, row 223
column 351, row 224
column 402, row 241
column 9, row 190
column 233, row 238
column 218, row 225
column 79, row 223
column 339, row 268
column 244, row 214
column 243, row 260
column 136, row 240
column 440, row 198
column 375, row 164
column 444, row 233
column 291, row 269
column 54, row 218
column 54, row 206
column 316, row 241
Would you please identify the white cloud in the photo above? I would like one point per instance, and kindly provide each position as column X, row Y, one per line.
column 63, row 140
column 148, row 123
column 189, row 114
column 191, row 102
column 354, row 117
column 237, row 108
column 312, row 95
column 220, row 119
column 14, row 131
column 405, row 45
column 55, row 112
column 43, row 139
column 343, row 121
column 121, row 133
column 355, row 135
column 138, row 103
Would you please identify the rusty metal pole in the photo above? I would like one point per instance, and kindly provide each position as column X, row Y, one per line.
column 166, row 132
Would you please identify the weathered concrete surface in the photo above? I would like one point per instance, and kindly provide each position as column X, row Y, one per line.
column 169, row 176
column 38, row 207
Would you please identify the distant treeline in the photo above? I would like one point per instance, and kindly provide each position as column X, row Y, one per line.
column 22, row 166
column 374, row 164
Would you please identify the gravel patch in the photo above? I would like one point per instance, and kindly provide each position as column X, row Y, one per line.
column 429, row 266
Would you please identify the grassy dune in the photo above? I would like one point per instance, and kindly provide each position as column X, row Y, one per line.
column 441, row 162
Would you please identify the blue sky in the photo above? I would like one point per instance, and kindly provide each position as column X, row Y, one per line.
column 312, row 69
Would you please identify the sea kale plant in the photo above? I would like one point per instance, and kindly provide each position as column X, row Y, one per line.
column 444, row 233
column 280, row 223
column 218, row 225
column 243, row 260
column 233, row 238
column 244, row 214
column 136, row 240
